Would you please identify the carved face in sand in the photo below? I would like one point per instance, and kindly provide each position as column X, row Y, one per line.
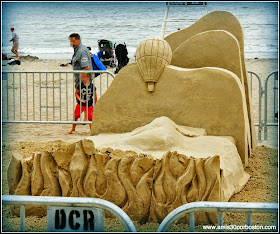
column 152, row 55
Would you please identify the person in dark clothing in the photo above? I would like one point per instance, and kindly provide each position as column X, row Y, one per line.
column 121, row 54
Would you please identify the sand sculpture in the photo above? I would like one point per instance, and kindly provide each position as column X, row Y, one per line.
column 218, row 20
column 162, row 136
column 152, row 59
column 147, row 179
column 210, row 98
column 207, row 49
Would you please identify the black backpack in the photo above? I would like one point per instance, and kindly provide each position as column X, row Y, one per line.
column 105, row 48
column 121, row 54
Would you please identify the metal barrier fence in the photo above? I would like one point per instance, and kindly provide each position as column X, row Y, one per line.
column 51, row 95
column 45, row 96
column 275, row 100
column 68, row 202
column 263, row 124
column 190, row 208
column 220, row 207
column 261, row 92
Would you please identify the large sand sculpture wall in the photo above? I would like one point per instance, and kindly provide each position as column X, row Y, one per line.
column 207, row 49
column 210, row 98
column 219, row 20
column 145, row 187
column 215, row 48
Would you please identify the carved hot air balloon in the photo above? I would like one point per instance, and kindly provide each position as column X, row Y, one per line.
column 152, row 55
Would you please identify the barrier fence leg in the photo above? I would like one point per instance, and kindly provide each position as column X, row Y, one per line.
column 191, row 227
column 248, row 221
column 22, row 219
column 277, row 222
column 220, row 221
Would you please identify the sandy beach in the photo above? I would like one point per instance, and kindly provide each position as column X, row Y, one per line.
column 26, row 138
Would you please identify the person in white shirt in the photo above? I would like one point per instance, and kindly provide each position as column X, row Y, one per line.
column 15, row 43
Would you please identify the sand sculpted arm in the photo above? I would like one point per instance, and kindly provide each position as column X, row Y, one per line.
column 65, row 182
column 137, row 204
column 90, row 179
column 115, row 191
column 63, row 160
column 49, row 171
column 14, row 172
column 200, row 176
column 163, row 194
column 37, row 182
column 24, row 185
column 78, row 168
column 101, row 180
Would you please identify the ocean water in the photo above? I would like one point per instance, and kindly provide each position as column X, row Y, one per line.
column 44, row 27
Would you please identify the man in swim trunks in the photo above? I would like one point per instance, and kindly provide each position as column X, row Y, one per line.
column 15, row 42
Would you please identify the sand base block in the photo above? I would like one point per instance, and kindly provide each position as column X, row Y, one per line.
column 147, row 188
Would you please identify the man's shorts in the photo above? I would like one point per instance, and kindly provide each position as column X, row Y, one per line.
column 15, row 45
column 78, row 113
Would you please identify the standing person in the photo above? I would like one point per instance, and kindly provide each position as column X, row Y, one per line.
column 81, row 59
column 15, row 42
column 84, row 95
